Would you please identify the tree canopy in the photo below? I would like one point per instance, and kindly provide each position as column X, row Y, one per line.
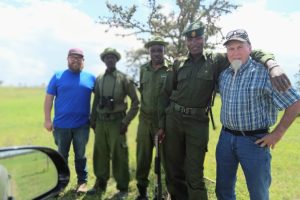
column 167, row 25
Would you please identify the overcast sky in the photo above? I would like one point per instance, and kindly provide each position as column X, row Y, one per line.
column 36, row 35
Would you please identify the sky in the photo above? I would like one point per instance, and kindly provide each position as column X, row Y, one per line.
column 36, row 35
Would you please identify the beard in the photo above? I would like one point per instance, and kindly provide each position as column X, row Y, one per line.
column 236, row 65
column 75, row 67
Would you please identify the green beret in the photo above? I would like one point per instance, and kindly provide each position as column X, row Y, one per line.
column 110, row 51
column 194, row 29
column 156, row 40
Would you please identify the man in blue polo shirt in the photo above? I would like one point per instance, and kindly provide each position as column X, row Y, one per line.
column 249, row 107
column 71, row 92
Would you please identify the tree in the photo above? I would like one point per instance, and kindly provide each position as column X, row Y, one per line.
column 167, row 25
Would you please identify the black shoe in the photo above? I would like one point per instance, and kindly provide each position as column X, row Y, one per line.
column 97, row 188
column 142, row 198
column 92, row 191
column 142, row 192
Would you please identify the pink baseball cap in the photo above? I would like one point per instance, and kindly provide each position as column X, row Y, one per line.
column 76, row 51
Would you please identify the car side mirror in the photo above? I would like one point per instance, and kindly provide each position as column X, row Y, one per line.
column 31, row 172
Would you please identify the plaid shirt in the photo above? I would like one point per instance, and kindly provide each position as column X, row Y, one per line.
column 248, row 100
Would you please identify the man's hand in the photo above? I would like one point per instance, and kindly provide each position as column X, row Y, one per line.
column 161, row 135
column 279, row 79
column 123, row 128
column 48, row 125
column 269, row 140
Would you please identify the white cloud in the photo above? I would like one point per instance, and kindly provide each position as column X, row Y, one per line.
column 268, row 30
column 36, row 36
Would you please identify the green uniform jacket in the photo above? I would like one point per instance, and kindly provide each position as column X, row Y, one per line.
column 118, row 86
column 190, row 82
column 151, row 83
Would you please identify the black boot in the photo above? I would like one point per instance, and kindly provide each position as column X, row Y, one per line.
column 143, row 193
column 99, row 187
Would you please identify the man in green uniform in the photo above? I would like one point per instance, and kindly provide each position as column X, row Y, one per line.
column 183, row 114
column 152, row 77
column 110, row 121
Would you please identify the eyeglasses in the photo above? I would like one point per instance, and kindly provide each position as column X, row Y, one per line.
column 75, row 57
column 239, row 33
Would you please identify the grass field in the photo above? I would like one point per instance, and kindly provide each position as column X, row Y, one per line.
column 21, row 123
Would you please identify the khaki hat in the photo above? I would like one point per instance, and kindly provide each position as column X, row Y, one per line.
column 75, row 51
column 194, row 29
column 238, row 35
column 110, row 51
column 156, row 41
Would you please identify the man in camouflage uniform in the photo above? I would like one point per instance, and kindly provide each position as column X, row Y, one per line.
column 183, row 114
column 110, row 121
column 152, row 77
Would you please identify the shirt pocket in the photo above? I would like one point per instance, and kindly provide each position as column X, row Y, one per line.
column 145, row 81
column 251, row 88
column 182, row 76
column 205, row 80
column 182, row 80
column 145, row 85
column 161, row 81
column 205, row 75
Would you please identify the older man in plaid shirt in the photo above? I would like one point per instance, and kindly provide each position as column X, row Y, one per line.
column 249, row 107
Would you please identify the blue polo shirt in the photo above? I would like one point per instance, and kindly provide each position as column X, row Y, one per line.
column 72, row 93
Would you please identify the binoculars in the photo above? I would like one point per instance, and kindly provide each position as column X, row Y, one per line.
column 107, row 102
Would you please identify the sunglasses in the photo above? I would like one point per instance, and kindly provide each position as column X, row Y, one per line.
column 239, row 32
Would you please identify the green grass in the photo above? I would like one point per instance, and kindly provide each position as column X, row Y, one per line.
column 21, row 123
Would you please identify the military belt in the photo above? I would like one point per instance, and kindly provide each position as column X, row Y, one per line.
column 111, row 116
column 187, row 110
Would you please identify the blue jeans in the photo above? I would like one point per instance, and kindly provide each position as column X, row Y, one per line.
column 255, row 162
column 79, row 136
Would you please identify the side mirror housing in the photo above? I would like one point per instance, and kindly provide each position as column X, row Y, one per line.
column 32, row 172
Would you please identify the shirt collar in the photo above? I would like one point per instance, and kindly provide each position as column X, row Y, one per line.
column 113, row 73
column 149, row 66
column 203, row 56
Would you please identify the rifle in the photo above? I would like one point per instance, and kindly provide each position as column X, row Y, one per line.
column 157, row 170
column 210, row 110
